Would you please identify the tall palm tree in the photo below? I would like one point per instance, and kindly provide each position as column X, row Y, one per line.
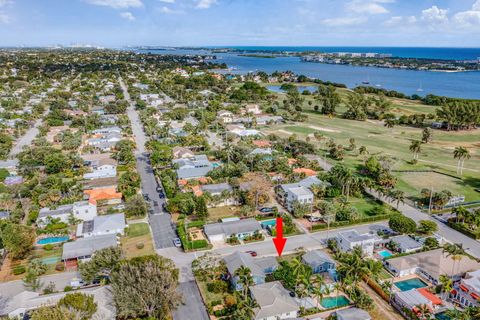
column 245, row 279
column 447, row 284
column 460, row 213
column 456, row 252
column 461, row 153
column 424, row 311
column 415, row 148
column 398, row 196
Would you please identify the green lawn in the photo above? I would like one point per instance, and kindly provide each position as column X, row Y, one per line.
column 215, row 214
column 138, row 229
column 379, row 140
column 384, row 275
column 363, row 205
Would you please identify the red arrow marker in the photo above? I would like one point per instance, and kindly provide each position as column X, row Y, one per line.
column 279, row 241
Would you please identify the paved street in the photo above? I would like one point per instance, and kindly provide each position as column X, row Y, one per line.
column 470, row 245
column 61, row 280
column 162, row 230
column 27, row 138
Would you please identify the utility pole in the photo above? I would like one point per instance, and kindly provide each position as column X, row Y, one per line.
column 430, row 203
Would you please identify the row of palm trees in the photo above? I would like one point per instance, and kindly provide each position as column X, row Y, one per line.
column 460, row 154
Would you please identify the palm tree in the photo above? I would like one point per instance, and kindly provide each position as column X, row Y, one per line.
column 460, row 213
column 318, row 289
column 337, row 286
column 455, row 251
column 398, row 196
column 298, row 269
column 415, row 148
column 426, row 135
column 245, row 279
column 447, row 284
column 424, row 311
column 461, row 153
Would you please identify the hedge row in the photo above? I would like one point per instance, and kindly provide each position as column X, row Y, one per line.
column 187, row 244
column 351, row 223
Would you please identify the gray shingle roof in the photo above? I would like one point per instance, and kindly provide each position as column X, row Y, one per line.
column 406, row 243
column 61, row 210
column 216, row 188
column 316, row 257
column 273, row 299
column 109, row 222
column 353, row 314
column 232, row 227
column 238, row 259
column 87, row 246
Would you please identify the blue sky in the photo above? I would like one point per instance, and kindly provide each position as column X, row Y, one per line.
column 241, row 22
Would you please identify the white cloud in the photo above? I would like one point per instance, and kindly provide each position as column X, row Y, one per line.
column 167, row 1
column 4, row 18
column 468, row 18
column 435, row 15
column 399, row 21
column 344, row 21
column 205, row 4
column 368, row 7
column 167, row 10
column 3, row 3
column 127, row 15
column 117, row 4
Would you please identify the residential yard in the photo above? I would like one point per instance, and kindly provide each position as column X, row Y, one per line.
column 364, row 205
column 137, row 241
column 216, row 214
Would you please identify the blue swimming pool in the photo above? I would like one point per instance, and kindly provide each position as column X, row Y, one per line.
column 334, row 302
column 51, row 240
column 269, row 223
column 442, row 316
column 409, row 284
column 385, row 254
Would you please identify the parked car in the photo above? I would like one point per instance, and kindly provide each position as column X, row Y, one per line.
column 177, row 242
column 252, row 253
column 314, row 218
column 267, row 209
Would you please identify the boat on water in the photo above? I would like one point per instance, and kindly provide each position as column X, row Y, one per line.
column 420, row 89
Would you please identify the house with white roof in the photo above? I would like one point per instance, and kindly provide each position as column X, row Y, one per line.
column 352, row 314
column 225, row 116
column 467, row 291
column 195, row 167
column 81, row 210
column 83, row 249
column 102, row 225
column 289, row 194
column 348, row 240
column 274, row 302
column 406, row 244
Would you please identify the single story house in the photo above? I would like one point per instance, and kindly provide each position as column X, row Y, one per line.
column 319, row 261
column 102, row 168
column 107, row 130
column 353, row 314
column 19, row 305
column 182, row 153
column 217, row 232
column 84, row 248
column 267, row 119
column 413, row 298
column 348, row 240
column 431, row 265
column 111, row 182
column 274, row 302
column 81, row 210
column 259, row 268
column 102, row 225
column 222, row 194
column 195, row 167
column 406, row 244
column 105, row 195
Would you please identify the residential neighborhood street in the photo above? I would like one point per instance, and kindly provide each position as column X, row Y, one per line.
column 162, row 230
column 27, row 138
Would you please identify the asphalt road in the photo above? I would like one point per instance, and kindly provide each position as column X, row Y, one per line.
column 193, row 308
column 27, row 138
column 162, row 229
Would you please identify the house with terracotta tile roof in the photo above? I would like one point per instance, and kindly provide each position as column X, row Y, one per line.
column 104, row 195
column 306, row 171
column 262, row 143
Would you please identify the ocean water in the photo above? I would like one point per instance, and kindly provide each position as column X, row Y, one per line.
column 458, row 84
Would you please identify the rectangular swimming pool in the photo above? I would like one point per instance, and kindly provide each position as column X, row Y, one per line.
column 409, row 284
column 51, row 240
column 334, row 302
column 269, row 223
column 385, row 253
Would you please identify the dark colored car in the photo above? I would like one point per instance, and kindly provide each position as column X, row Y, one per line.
column 267, row 209
column 252, row 253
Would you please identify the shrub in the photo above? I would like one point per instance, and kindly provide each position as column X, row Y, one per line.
column 67, row 289
column 215, row 303
column 402, row 224
column 59, row 267
column 217, row 286
column 48, row 247
column 19, row 270
column 140, row 245
column 230, row 301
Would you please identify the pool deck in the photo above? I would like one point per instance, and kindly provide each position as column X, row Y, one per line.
column 409, row 277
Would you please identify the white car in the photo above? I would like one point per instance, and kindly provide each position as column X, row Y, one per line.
column 177, row 242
